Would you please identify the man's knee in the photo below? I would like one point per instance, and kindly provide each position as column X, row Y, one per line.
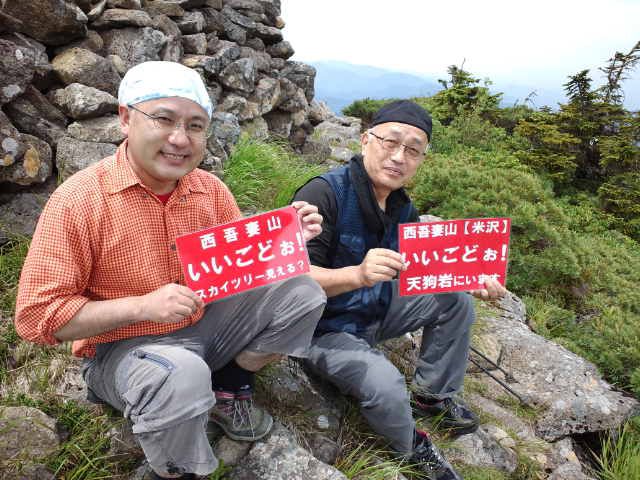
column 166, row 385
column 304, row 288
column 460, row 308
column 382, row 385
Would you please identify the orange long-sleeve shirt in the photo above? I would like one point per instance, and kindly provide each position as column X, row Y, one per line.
column 103, row 236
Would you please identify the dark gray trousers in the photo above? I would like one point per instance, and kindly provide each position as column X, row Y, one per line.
column 163, row 383
column 362, row 371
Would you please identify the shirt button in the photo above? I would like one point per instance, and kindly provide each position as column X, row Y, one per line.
column 173, row 247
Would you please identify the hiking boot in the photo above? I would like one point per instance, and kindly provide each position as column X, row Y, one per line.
column 429, row 460
column 239, row 417
column 451, row 414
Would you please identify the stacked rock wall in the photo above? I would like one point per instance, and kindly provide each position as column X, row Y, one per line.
column 61, row 63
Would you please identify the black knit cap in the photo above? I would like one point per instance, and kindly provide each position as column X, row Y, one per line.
column 404, row 111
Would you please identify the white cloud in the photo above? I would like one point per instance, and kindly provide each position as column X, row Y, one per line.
column 542, row 41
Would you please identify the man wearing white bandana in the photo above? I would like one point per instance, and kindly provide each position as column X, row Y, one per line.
column 103, row 272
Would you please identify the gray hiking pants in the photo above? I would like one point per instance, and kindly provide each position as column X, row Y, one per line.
column 360, row 370
column 162, row 384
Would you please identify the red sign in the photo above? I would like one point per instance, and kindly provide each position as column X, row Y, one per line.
column 453, row 255
column 238, row 256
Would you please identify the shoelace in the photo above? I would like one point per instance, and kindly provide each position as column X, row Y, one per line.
column 453, row 407
column 428, row 452
column 242, row 413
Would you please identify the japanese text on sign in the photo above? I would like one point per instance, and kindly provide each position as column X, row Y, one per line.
column 453, row 255
column 238, row 256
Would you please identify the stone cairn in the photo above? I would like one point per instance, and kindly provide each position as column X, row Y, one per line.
column 61, row 63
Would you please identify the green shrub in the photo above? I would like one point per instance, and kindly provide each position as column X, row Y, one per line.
column 577, row 277
column 364, row 109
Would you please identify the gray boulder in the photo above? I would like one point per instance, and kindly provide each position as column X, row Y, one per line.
column 279, row 457
column 567, row 389
column 281, row 50
column 240, row 75
column 17, row 67
column 33, row 166
column 52, row 22
column 28, row 435
column 134, row 45
column 74, row 155
column 292, row 98
column 19, row 212
column 196, row 43
column 32, row 113
column 121, row 17
column 100, row 130
column 279, row 122
column 162, row 7
column 191, row 23
column 78, row 65
column 302, row 75
column 79, row 101
column 132, row 4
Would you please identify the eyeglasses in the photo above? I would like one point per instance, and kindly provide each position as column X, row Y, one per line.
column 391, row 145
column 195, row 129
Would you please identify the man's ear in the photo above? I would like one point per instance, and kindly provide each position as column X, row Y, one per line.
column 364, row 139
column 125, row 118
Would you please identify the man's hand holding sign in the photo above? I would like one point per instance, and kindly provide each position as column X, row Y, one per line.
column 249, row 253
column 455, row 255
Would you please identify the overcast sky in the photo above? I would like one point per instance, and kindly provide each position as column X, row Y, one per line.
column 539, row 42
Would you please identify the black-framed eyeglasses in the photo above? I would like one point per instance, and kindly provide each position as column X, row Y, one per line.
column 392, row 145
column 196, row 129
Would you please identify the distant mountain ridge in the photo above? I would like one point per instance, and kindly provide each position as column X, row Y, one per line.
column 340, row 83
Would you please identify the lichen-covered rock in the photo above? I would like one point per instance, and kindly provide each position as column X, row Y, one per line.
column 292, row 98
column 74, row 155
column 571, row 395
column 28, row 435
column 52, row 22
column 191, row 23
column 318, row 112
column 93, row 42
column 121, row 17
column 101, row 130
column 79, row 101
column 19, row 212
column 32, row 113
column 279, row 457
column 240, row 75
column 226, row 129
column 132, row 4
column 196, row 43
column 162, row 7
column 281, row 50
column 280, row 123
column 78, row 65
column 134, row 45
column 17, row 67
column 302, row 75
column 33, row 166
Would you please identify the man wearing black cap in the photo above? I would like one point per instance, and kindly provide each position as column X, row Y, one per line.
column 355, row 260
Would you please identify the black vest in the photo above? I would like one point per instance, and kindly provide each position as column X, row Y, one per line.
column 352, row 311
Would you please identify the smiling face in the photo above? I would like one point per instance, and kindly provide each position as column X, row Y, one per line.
column 160, row 157
column 390, row 171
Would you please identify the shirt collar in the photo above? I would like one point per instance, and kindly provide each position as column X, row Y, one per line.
column 120, row 175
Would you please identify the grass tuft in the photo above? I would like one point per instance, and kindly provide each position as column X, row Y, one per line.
column 265, row 175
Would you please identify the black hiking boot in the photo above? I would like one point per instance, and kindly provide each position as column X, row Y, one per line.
column 451, row 414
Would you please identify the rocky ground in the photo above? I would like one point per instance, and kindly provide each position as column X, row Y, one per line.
column 565, row 399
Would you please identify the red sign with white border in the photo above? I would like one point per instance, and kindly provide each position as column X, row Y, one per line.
column 453, row 255
column 234, row 257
